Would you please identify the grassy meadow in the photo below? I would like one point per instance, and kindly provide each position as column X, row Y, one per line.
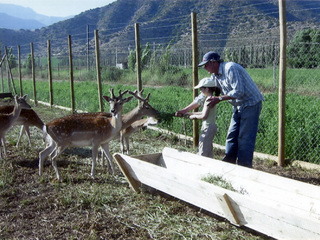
column 80, row 207
column 168, row 97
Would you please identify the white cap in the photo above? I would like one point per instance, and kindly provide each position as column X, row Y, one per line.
column 206, row 82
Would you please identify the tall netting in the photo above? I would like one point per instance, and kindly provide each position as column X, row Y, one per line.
column 167, row 68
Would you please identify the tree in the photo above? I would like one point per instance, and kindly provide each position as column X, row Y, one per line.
column 304, row 50
column 28, row 63
column 12, row 59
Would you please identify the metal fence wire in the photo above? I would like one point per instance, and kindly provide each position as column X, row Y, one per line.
column 174, row 59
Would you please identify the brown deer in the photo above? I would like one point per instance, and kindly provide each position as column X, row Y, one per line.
column 27, row 118
column 7, row 120
column 134, row 127
column 79, row 130
column 143, row 109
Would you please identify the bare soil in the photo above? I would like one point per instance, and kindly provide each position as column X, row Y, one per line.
column 34, row 207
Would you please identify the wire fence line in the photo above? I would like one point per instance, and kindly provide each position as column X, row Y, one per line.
column 174, row 59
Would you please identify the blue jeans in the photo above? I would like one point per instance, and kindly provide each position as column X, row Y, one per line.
column 242, row 133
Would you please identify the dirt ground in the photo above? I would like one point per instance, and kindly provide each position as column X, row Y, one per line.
column 34, row 207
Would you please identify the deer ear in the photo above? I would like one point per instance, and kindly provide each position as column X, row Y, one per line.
column 107, row 98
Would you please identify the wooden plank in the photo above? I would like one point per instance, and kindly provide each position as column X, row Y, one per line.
column 129, row 174
column 254, row 183
column 273, row 220
column 228, row 209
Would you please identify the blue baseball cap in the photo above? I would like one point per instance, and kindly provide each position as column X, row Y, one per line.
column 210, row 56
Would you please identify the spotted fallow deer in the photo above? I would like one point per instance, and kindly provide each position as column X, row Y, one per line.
column 143, row 109
column 27, row 118
column 7, row 120
column 79, row 130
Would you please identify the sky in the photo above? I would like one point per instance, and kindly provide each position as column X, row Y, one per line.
column 59, row 8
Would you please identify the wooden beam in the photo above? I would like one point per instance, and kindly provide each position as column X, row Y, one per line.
column 134, row 184
column 228, row 209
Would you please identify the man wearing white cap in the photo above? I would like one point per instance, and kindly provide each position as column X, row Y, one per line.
column 208, row 88
column 240, row 90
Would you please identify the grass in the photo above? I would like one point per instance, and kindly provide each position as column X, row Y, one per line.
column 105, row 208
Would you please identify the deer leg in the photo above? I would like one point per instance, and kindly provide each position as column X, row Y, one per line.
column 105, row 148
column 1, row 148
column 102, row 158
column 127, row 144
column 23, row 130
column 94, row 158
column 3, row 142
column 55, row 153
column 28, row 134
column 121, row 142
column 44, row 154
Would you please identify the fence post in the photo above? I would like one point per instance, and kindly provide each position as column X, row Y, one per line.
column 195, row 73
column 88, row 61
column 71, row 75
column 10, row 77
column 282, row 82
column 96, row 37
column 19, row 70
column 50, row 74
column 33, row 70
column 138, row 57
column 1, row 71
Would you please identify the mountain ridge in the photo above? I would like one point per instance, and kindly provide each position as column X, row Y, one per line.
column 220, row 22
column 18, row 17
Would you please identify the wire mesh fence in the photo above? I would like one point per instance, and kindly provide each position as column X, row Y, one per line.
column 168, row 62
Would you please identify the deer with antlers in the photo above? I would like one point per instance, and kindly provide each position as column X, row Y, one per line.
column 7, row 120
column 128, row 120
column 79, row 130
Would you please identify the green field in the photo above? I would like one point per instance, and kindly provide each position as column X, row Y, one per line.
column 302, row 104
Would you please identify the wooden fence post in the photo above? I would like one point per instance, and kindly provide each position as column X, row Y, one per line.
column 1, row 71
column 10, row 77
column 33, row 74
column 96, row 37
column 88, row 47
column 138, row 57
column 195, row 73
column 50, row 74
column 282, row 82
column 19, row 70
column 71, row 75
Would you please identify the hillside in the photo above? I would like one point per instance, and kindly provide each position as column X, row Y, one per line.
column 220, row 23
column 7, row 21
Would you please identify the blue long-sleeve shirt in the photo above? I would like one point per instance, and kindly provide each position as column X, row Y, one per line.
column 236, row 82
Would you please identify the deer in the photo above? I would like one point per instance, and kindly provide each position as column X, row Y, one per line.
column 79, row 130
column 7, row 120
column 27, row 119
column 143, row 109
column 134, row 127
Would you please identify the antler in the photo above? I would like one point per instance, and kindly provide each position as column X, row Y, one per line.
column 111, row 90
column 121, row 94
column 138, row 95
column 112, row 93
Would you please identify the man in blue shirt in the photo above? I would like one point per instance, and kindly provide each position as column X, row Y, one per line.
column 240, row 90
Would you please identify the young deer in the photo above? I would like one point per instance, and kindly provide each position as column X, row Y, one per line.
column 27, row 118
column 79, row 130
column 7, row 120
column 134, row 127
